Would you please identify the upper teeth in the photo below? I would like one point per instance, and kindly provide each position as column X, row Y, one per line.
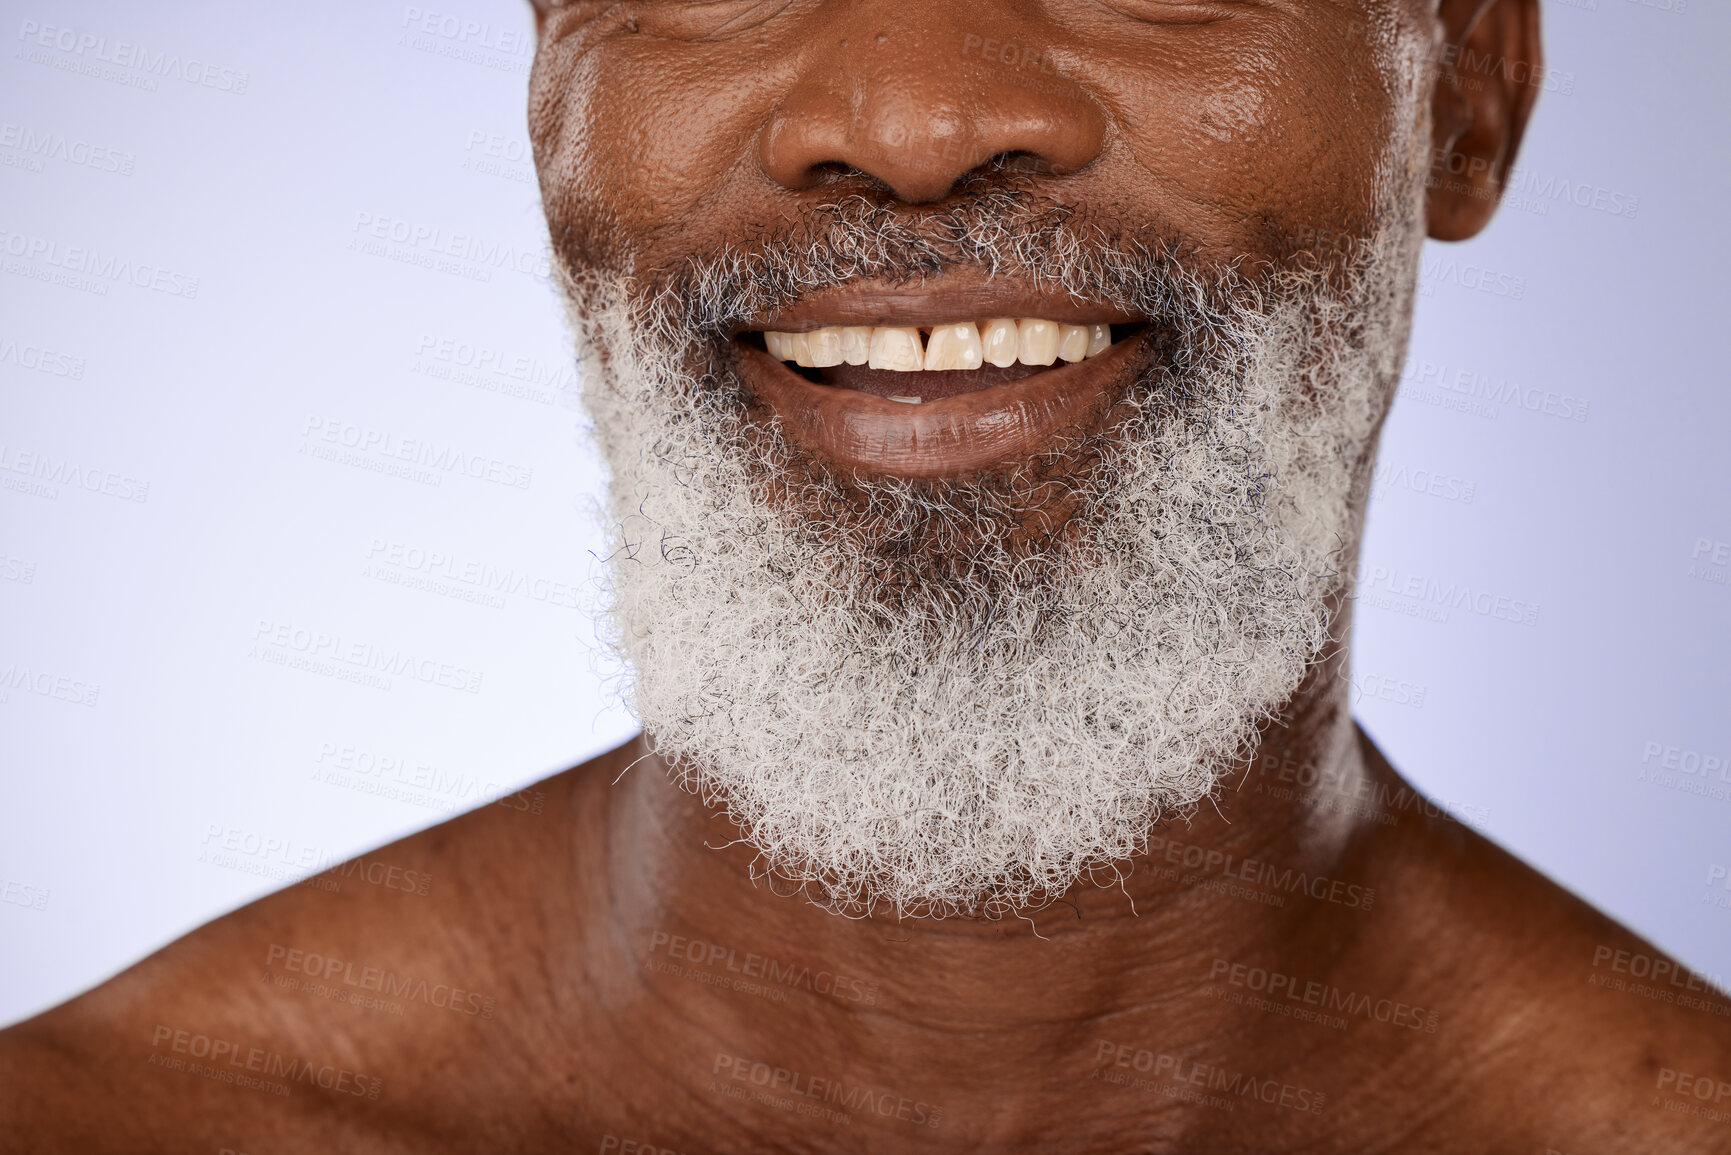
column 1001, row 341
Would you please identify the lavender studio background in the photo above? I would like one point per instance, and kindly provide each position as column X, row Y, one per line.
column 295, row 550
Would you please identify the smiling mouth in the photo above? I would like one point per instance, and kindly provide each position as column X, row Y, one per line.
column 914, row 364
column 858, row 379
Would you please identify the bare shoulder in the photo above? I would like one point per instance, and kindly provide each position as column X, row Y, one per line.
column 329, row 1011
column 1563, row 1026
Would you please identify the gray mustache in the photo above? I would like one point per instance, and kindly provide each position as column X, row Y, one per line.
column 1001, row 233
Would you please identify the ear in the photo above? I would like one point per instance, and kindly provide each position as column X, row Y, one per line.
column 1491, row 70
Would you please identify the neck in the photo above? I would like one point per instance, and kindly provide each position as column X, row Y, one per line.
column 922, row 1006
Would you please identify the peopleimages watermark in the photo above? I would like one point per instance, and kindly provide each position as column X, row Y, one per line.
column 417, row 782
column 777, row 974
column 444, row 250
column 1524, row 188
column 383, row 982
column 1433, row 598
column 41, row 359
column 1657, row 978
column 1467, row 390
column 1716, row 873
column 1710, row 561
column 47, row 472
column 251, row 852
column 461, row 30
column 495, row 154
column 17, row 893
column 1360, row 792
column 1381, row 688
column 611, row 1142
column 17, row 569
column 350, row 659
column 89, row 269
column 1257, row 872
column 1675, row 7
column 1686, row 770
column 1469, row 275
column 1529, row 187
column 1276, row 992
column 122, row 61
column 468, row 41
column 416, row 458
column 1389, row 476
column 1472, row 69
column 1011, row 54
column 467, row 579
column 47, row 684
column 37, row 146
column 478, row 365
column 801, row 1094
column 1687, row 760
column 1032, row 67
column 1184, row 1073
column 1689, row 1094
column 245, row 1065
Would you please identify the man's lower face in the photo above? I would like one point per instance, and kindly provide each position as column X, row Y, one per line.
column 958, row 694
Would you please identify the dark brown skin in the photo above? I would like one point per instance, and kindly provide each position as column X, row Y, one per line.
column 624, row 981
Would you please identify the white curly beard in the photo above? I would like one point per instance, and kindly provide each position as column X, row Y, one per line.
column 898, row 695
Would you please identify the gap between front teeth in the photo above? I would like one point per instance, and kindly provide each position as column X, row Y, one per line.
column 1003, row 341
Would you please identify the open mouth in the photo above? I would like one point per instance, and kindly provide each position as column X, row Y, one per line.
column 915, row 364
column 895, row 379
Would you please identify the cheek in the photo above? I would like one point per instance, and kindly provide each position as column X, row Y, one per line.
column 1259, row 147
column 653, row 136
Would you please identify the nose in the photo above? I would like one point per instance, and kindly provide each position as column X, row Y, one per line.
column 917, row 104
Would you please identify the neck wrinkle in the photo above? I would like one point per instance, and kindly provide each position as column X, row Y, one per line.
column 1137, row 944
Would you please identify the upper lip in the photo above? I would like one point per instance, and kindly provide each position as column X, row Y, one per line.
column 935, row 301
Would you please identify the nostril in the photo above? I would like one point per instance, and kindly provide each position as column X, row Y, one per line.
column 1015, row 162
column 833, row 172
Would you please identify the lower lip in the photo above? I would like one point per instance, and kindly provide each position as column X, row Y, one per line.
column 948, row 437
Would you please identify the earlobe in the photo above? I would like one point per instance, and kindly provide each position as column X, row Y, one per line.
column 1489, row 71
